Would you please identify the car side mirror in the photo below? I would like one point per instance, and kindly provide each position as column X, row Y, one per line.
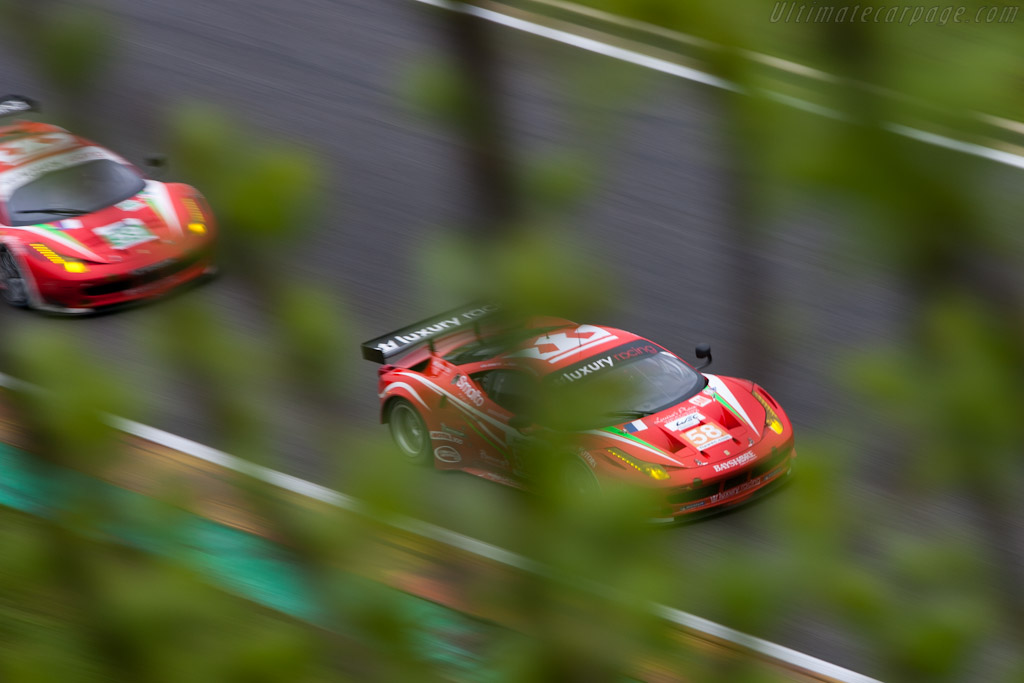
column 702, row 351
column 520, row 422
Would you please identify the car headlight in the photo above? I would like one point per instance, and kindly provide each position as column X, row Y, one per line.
column 771, row 419
column 196, row 217
column 650, row 469
column 70, row 264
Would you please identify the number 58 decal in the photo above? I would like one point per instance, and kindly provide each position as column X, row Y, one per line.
column 706, row 436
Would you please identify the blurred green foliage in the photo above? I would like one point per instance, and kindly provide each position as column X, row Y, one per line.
column 925, row 605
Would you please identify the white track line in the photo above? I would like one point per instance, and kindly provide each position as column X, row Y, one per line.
column 308, row 489
column 691, row 74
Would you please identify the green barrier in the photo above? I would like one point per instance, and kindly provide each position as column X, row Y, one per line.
column 240, row 562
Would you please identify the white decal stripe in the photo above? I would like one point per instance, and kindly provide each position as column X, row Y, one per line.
column 719, row 387
column 461, row 404
column 287, row 482
column 60, row 239
column 164, row 205
column 489, row 432
column 582, row 347
column 403, row 385
column 634, row 444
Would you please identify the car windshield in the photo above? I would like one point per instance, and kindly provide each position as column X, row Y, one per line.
column 622, row 386
column 82, row 188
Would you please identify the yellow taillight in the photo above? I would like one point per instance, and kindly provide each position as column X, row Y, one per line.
column 75, row 267
column 197, row 228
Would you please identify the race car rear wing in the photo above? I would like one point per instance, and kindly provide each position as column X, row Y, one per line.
column 16, row 104
column 393, row 344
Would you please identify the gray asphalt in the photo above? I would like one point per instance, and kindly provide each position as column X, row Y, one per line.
column 329, row 75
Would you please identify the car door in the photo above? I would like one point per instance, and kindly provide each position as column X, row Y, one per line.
column 511, row 393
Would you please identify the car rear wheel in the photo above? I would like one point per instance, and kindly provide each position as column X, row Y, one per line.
column 409, row 431
column 15, row 289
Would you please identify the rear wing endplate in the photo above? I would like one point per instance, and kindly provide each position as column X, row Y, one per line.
column 16, row 104
column 392, row 344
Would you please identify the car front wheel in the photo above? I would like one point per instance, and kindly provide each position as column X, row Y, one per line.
column 15, row 289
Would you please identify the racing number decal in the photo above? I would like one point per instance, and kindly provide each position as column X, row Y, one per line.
column 556, row 347
column 126, row 233
column 705, row 436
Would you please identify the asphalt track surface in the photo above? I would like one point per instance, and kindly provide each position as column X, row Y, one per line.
column 328, row 75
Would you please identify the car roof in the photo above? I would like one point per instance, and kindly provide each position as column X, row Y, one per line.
column 45, row 139
column 544, row 350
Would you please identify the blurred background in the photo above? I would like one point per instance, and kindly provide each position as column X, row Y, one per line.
column 832, row 204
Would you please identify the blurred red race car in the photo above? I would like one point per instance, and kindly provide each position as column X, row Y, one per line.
column 460, row 394
column 81, row 228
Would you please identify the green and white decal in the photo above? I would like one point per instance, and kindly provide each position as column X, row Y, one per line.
column 724, row 395
column 126, row 233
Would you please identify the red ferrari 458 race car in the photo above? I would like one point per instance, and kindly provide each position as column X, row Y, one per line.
column 81, row 228
column 463, row 390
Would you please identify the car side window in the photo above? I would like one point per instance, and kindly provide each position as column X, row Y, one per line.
column 510, row 389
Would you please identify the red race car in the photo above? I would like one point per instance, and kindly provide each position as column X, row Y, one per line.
column 81, row 228
column 463, row 390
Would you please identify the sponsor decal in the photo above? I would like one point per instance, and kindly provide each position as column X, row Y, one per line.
column 700, row 400
column 444, row 436
column 746, row 486
column 557, row 347
column 447, row 454
column 498, row 478
column 684, row 422
column 69, row 224
column 452, row 430
column 399, row 341
column 587, row 457
column 741, row 459
column 125, row 233
column 474, row 395
column 622, row 354
column 706, row 436
column 635, row 351
column 585, row 369
column 698, row 504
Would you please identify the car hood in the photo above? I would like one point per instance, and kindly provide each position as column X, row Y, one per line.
column 719, row 423
column 135, row 229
